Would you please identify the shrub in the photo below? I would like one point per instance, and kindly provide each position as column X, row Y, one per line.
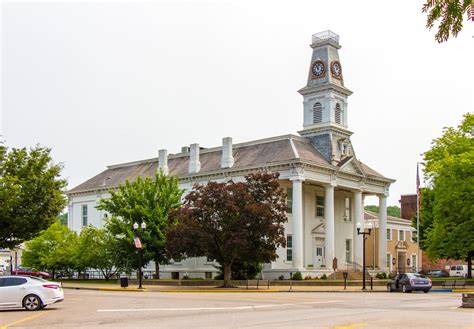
column 281, row 277
column 324, row 277
column 392, row 275
column 381, row 275
column 297, row 276
column 308, row 277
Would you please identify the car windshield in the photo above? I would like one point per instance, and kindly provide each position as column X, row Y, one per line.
column 416, row 275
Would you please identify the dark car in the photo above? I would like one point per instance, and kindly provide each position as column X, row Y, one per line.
column 438, row 273
column 408, row 282
column 30, row 272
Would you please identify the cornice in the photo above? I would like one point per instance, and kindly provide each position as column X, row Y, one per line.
column 327, row 86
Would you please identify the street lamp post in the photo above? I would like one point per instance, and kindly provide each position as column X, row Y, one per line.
column 138, row 245
column 364, row 234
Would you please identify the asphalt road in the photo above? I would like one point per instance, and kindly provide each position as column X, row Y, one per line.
column 98, row 309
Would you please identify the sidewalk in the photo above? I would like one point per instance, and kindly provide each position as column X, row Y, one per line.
column 158, row 288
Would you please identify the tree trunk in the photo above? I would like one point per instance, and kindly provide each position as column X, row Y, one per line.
column 469, row 264
column 157, row 270
column 227, row 273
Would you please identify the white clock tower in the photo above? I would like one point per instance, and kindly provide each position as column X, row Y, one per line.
column 325, row 100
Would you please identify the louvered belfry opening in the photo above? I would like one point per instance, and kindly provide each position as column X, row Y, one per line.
column 317, row 113
column 338, row 113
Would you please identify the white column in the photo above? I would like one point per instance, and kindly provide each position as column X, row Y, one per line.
column 329, row 243
column 383, row 266
column 358, row 218
column 297, row 222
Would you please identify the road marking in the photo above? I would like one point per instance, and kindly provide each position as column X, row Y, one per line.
column 5, row 326
column 247, row 307
column 349, row 326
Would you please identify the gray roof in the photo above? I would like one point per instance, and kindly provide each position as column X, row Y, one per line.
column 258, row 153
column 370, row 215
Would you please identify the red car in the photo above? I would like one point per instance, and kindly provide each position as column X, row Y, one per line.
column 26, row 271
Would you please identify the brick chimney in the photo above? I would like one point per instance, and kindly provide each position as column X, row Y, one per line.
column 194, row 164
column 163, row 161
column 227, row 160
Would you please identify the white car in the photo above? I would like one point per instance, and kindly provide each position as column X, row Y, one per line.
column 29, row 292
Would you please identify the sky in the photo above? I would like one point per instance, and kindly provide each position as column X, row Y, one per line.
column 109, row 82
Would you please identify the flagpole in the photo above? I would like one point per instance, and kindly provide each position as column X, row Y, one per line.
column 417, row 218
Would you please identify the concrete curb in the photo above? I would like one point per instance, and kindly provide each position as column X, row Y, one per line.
column 464, row 290
column 106, row 289
column 221, row 291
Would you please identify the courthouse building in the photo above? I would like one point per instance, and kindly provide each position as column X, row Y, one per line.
column 325, row 181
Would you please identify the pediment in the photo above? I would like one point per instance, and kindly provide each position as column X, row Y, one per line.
column 319, row 229
column 401, row 245
column 351, row 165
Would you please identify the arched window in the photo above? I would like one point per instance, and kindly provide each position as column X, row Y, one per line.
column 317, row 113
column 338, row 113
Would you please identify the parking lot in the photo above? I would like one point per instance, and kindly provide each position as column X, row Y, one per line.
column 99, row 309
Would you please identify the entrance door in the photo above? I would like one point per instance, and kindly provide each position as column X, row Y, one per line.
column 402, row 259
column 319, row 256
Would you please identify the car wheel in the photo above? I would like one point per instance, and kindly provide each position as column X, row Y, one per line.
column 389, row 288
column 425, row 291
column 32, row 303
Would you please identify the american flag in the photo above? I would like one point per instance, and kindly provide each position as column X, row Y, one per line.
column 138, row 243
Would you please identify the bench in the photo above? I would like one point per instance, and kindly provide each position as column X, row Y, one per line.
column 257, row 283
column 453, row 284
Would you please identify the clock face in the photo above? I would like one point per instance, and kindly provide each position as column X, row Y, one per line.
column 318, row 69
column 336, row 69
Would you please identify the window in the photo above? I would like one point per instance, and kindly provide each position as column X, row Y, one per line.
column 348, row 250
column 347, row 212
column 317, row 113
column 389, row 234
column 413, row 236
column 289, row 248
column 84, row 215
column 401, row 235
column 9, row 282
column 413, row 261
column 389, row 261
column 289, row 200
column 337, row 113
column 319, row 206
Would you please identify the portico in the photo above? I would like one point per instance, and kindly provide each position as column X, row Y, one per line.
column 319, row 233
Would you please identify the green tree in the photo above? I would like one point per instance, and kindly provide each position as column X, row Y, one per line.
column 143, row 200
column 449, row 13
column 426, row 216
column 52, row 250
column 98, row 249
column 31, row 194
column 449, row 169
column 393, row 211
column 63, row 219
column 231, row 222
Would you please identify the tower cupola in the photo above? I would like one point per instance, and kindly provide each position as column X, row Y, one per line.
column 325, row 110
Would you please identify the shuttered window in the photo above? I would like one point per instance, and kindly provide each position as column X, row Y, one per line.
column 317, row 113
column 338, row 113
